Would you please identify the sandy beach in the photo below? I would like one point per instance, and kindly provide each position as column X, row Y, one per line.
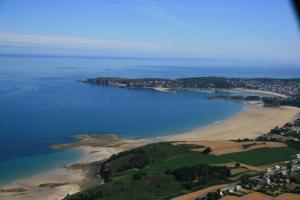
column 255, row 120
column 57, row 183
column 260, row 92
column 52, row 185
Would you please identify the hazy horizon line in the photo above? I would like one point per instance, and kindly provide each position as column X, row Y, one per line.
column 141, row 57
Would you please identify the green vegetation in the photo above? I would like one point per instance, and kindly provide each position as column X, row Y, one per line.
column 237, row 98
column 288, row 134
column 296, row 177
column 289, row 87
column 264, row 156
column 140, row 157
column 276, row 101
column 255, row 157
column 211, row 196
column 163, row 170
column 202, row 82
column 187, row 160
column 150, row 187
column 247, row 146
column 206, row 151
column 200, row 175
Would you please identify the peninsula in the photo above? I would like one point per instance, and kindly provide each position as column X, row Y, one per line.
column 273, row 86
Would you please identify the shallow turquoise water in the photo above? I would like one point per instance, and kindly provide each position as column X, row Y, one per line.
column 23, row 167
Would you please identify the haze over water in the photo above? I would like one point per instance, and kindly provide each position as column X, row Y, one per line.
column 42, row 101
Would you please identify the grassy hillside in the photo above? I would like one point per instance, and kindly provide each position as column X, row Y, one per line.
column 152, row 171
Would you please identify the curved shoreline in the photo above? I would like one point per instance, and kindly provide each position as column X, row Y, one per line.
column 246, row 106
column 252, row 121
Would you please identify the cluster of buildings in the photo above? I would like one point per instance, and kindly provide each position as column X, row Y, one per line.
column 233, row 189
column 279, row 137
column 278, row 176
column 289, row 132
column 283, row 86
column 297, row 122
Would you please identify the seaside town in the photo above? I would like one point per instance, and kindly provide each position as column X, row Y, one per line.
column 288, row 87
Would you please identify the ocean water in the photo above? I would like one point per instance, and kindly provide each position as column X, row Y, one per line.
column 42, row 103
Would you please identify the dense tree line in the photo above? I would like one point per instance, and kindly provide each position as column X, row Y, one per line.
column 90, row 194
column 211, row 196
column 123, row 161
column 142, row 156
column 276, row 101
column 146, row 187
column 201, row 174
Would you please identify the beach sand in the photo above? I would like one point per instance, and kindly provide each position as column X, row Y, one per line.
column 254, row 121
column 69, row 180
column 260, row 92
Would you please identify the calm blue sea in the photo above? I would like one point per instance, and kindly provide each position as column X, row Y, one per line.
column 42, row 103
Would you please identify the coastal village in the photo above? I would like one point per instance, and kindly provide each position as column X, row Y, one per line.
column 289, row 88
column 273, row 181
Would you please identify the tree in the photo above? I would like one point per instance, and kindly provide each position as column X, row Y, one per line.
column 206, row 150
column 237, row 165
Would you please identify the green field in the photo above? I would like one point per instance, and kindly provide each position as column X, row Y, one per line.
column 255, row 157
column 186, row 160
column 264, row 156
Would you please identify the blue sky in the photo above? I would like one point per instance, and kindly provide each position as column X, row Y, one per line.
column 235, row 29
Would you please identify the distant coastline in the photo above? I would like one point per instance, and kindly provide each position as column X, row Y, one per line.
column 271, row 86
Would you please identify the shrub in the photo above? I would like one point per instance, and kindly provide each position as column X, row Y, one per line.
column 200, row 174
column 206, row 151
column 138, row 176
